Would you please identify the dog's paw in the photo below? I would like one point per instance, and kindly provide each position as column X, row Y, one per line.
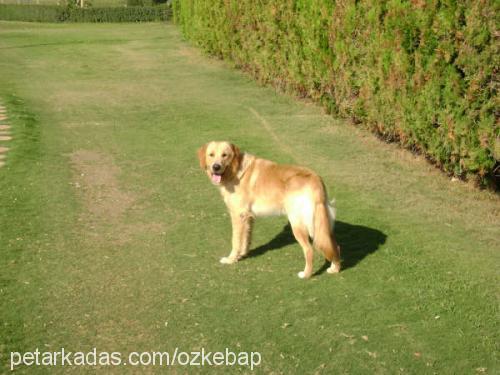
column 303, row 275
column 228, row 260
column 334, row 268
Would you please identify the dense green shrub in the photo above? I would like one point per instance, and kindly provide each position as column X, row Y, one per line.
column 54, row 13
column 119, row 14
column 422, row 73
column 145, row 2
column 30, row 13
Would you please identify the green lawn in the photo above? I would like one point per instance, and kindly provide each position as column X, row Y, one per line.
column 110, row 235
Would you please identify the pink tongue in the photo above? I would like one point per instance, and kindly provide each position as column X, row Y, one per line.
column 216, row 178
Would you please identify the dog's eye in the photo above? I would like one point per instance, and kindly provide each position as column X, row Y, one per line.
column 212, row 155
column 224, row 155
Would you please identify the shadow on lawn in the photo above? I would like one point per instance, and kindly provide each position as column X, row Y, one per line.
column 356, row 242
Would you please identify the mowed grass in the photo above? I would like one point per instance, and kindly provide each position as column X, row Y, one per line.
column 110, row 235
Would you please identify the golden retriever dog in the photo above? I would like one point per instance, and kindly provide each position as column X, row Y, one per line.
column 253, row 187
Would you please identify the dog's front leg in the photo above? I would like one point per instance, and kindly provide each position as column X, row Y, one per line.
column 246, row 233
column 238, row 224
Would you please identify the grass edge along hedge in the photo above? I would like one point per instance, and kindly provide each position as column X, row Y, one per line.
column 422, row 73
column 56, row 13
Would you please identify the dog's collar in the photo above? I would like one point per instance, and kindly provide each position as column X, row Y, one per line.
column 246, row 160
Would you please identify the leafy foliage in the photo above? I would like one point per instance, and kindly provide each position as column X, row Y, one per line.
column 422, row 73
column 54, row 13
column 145, row 2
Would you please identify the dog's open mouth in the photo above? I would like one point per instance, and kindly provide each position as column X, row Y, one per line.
column 216, row 178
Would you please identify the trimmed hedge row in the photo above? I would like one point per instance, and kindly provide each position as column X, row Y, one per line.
column 30, row 13
column 55, row 13
column 423, row 73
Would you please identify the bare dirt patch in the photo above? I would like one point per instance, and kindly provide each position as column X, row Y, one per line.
column 106, row 203
column 4, row 136
column 96, row 176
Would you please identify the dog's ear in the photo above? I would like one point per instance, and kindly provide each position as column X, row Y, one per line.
column 236, row 162
column 202, row 156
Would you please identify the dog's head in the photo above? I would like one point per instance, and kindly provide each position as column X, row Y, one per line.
column 220, row 160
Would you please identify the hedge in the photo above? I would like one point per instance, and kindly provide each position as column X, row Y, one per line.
column 55, row 13
column 423, row 73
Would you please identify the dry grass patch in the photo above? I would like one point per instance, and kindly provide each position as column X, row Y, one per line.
column 106, row 202
column 97, row 177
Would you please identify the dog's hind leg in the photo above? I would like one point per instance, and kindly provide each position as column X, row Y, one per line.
column 335, row 259
column 324, row 237
column 302, row 236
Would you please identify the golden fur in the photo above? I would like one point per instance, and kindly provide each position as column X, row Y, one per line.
column 253, row 187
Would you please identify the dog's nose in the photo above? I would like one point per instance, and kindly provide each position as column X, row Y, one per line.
column 216, row 167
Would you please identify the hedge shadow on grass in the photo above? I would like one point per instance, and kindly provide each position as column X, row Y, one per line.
column 356, row 242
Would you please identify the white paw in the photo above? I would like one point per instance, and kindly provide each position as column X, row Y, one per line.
column 302, row 275
column 333, row 269
column 228, row 260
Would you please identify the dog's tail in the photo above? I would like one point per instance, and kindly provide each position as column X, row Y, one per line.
column 324, row 238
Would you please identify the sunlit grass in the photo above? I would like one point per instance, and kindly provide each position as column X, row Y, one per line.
column 110, row 235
